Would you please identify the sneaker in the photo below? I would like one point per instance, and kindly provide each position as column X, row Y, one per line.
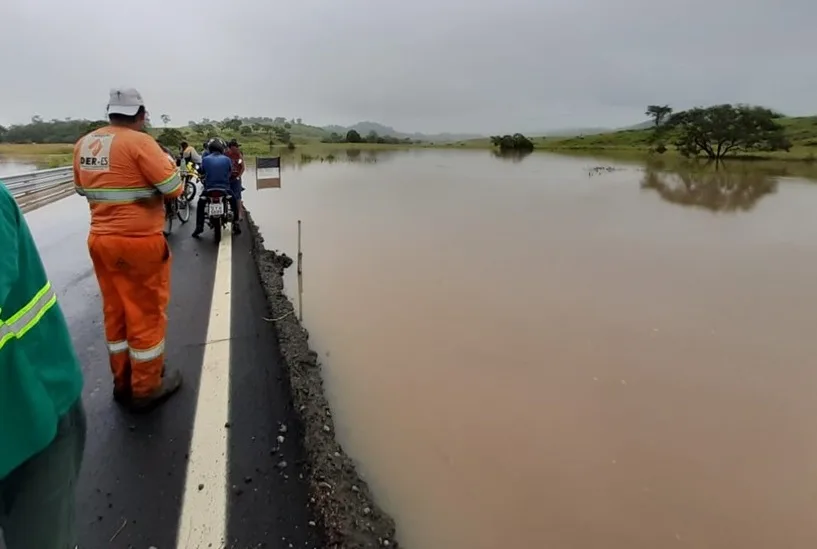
column 171, row 382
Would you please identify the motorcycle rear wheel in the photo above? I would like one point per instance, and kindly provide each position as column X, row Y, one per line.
column 217, row 231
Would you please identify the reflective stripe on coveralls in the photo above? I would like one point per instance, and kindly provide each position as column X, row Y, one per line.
column 26, row 318
column 124, row 196
column 138, row 355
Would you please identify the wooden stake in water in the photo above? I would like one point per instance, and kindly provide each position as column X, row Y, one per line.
column 300, row 255
column 300, row 277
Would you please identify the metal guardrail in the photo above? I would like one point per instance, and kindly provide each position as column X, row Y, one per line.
column 22, row 184
column 34, row 189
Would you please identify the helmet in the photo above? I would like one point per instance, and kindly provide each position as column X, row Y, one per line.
column 216, row 144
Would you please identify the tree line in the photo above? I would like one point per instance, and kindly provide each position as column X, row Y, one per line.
column 51, row 131
column 718, row 131
column 353, row 136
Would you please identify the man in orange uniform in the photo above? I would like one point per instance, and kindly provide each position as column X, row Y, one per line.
column 126, row 178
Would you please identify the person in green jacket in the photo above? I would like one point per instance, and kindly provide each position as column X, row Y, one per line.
column 42, row 421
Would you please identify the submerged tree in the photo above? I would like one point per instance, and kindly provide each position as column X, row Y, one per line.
column 516, row 142
column 728, row 129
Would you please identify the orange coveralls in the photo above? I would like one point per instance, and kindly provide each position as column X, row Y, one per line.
column 126, row 177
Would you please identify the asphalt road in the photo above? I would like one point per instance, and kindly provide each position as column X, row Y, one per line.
column 214, row 452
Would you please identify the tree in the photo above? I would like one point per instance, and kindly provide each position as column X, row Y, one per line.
column 372, row 137
column 269, row 137
column 95, row 125
column 170, row 138
column 233, row 124
column 353, row 137
column 658, row 113
column 165, row 119
column 246, row 130
column 512, row 143
column 728, row 129
column 282, row 134
column 299, row 121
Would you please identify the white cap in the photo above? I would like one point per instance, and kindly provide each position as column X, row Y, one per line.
column 125, row 101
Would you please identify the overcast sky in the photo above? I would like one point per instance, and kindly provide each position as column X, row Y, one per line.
column 423, row 65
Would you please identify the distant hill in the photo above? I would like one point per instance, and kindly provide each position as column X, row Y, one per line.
column 572, row 132
column 364, row 128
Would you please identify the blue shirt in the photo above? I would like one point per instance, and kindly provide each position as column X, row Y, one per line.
column 216, row 168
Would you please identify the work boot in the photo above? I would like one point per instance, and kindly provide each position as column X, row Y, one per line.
column 171, row 382
column 236, row 228
column 122, row 395
column 197, row 233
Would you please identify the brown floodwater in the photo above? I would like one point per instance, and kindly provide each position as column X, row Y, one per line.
column 537, row 353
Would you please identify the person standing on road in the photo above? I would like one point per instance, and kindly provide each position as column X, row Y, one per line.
column 42, row 422
column 234, row 153
column 126, row 178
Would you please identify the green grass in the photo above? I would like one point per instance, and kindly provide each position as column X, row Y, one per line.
column 51, row 155
column 802, row 132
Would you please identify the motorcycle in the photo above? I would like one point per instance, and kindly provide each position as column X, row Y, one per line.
column 218, row 213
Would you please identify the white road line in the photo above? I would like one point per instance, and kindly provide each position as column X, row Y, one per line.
column 203, row 522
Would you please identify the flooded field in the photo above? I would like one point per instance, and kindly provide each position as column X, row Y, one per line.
column 565, row 352
column 11, row 167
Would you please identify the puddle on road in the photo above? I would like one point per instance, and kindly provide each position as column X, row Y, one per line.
column 525, row 354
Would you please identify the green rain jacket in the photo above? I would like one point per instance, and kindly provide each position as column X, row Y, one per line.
column 40, row 376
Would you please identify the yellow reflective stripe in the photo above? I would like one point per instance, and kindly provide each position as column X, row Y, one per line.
column 115, row 347
column 170, row 184
column 118, row 195
column 28, row 316
column 143, row 355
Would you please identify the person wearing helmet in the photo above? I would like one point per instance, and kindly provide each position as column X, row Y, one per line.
column 216, row 169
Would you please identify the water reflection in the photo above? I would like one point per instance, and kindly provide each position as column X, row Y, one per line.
column 717, row 187
column 511, row 156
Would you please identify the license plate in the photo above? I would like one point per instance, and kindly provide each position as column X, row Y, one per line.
column 216, row 208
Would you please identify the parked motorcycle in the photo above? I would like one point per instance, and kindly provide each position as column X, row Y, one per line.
column 218, row 213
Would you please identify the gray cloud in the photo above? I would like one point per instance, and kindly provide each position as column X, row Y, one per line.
column 426, row 65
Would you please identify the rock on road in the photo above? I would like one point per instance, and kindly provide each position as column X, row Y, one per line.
column 204, row 469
